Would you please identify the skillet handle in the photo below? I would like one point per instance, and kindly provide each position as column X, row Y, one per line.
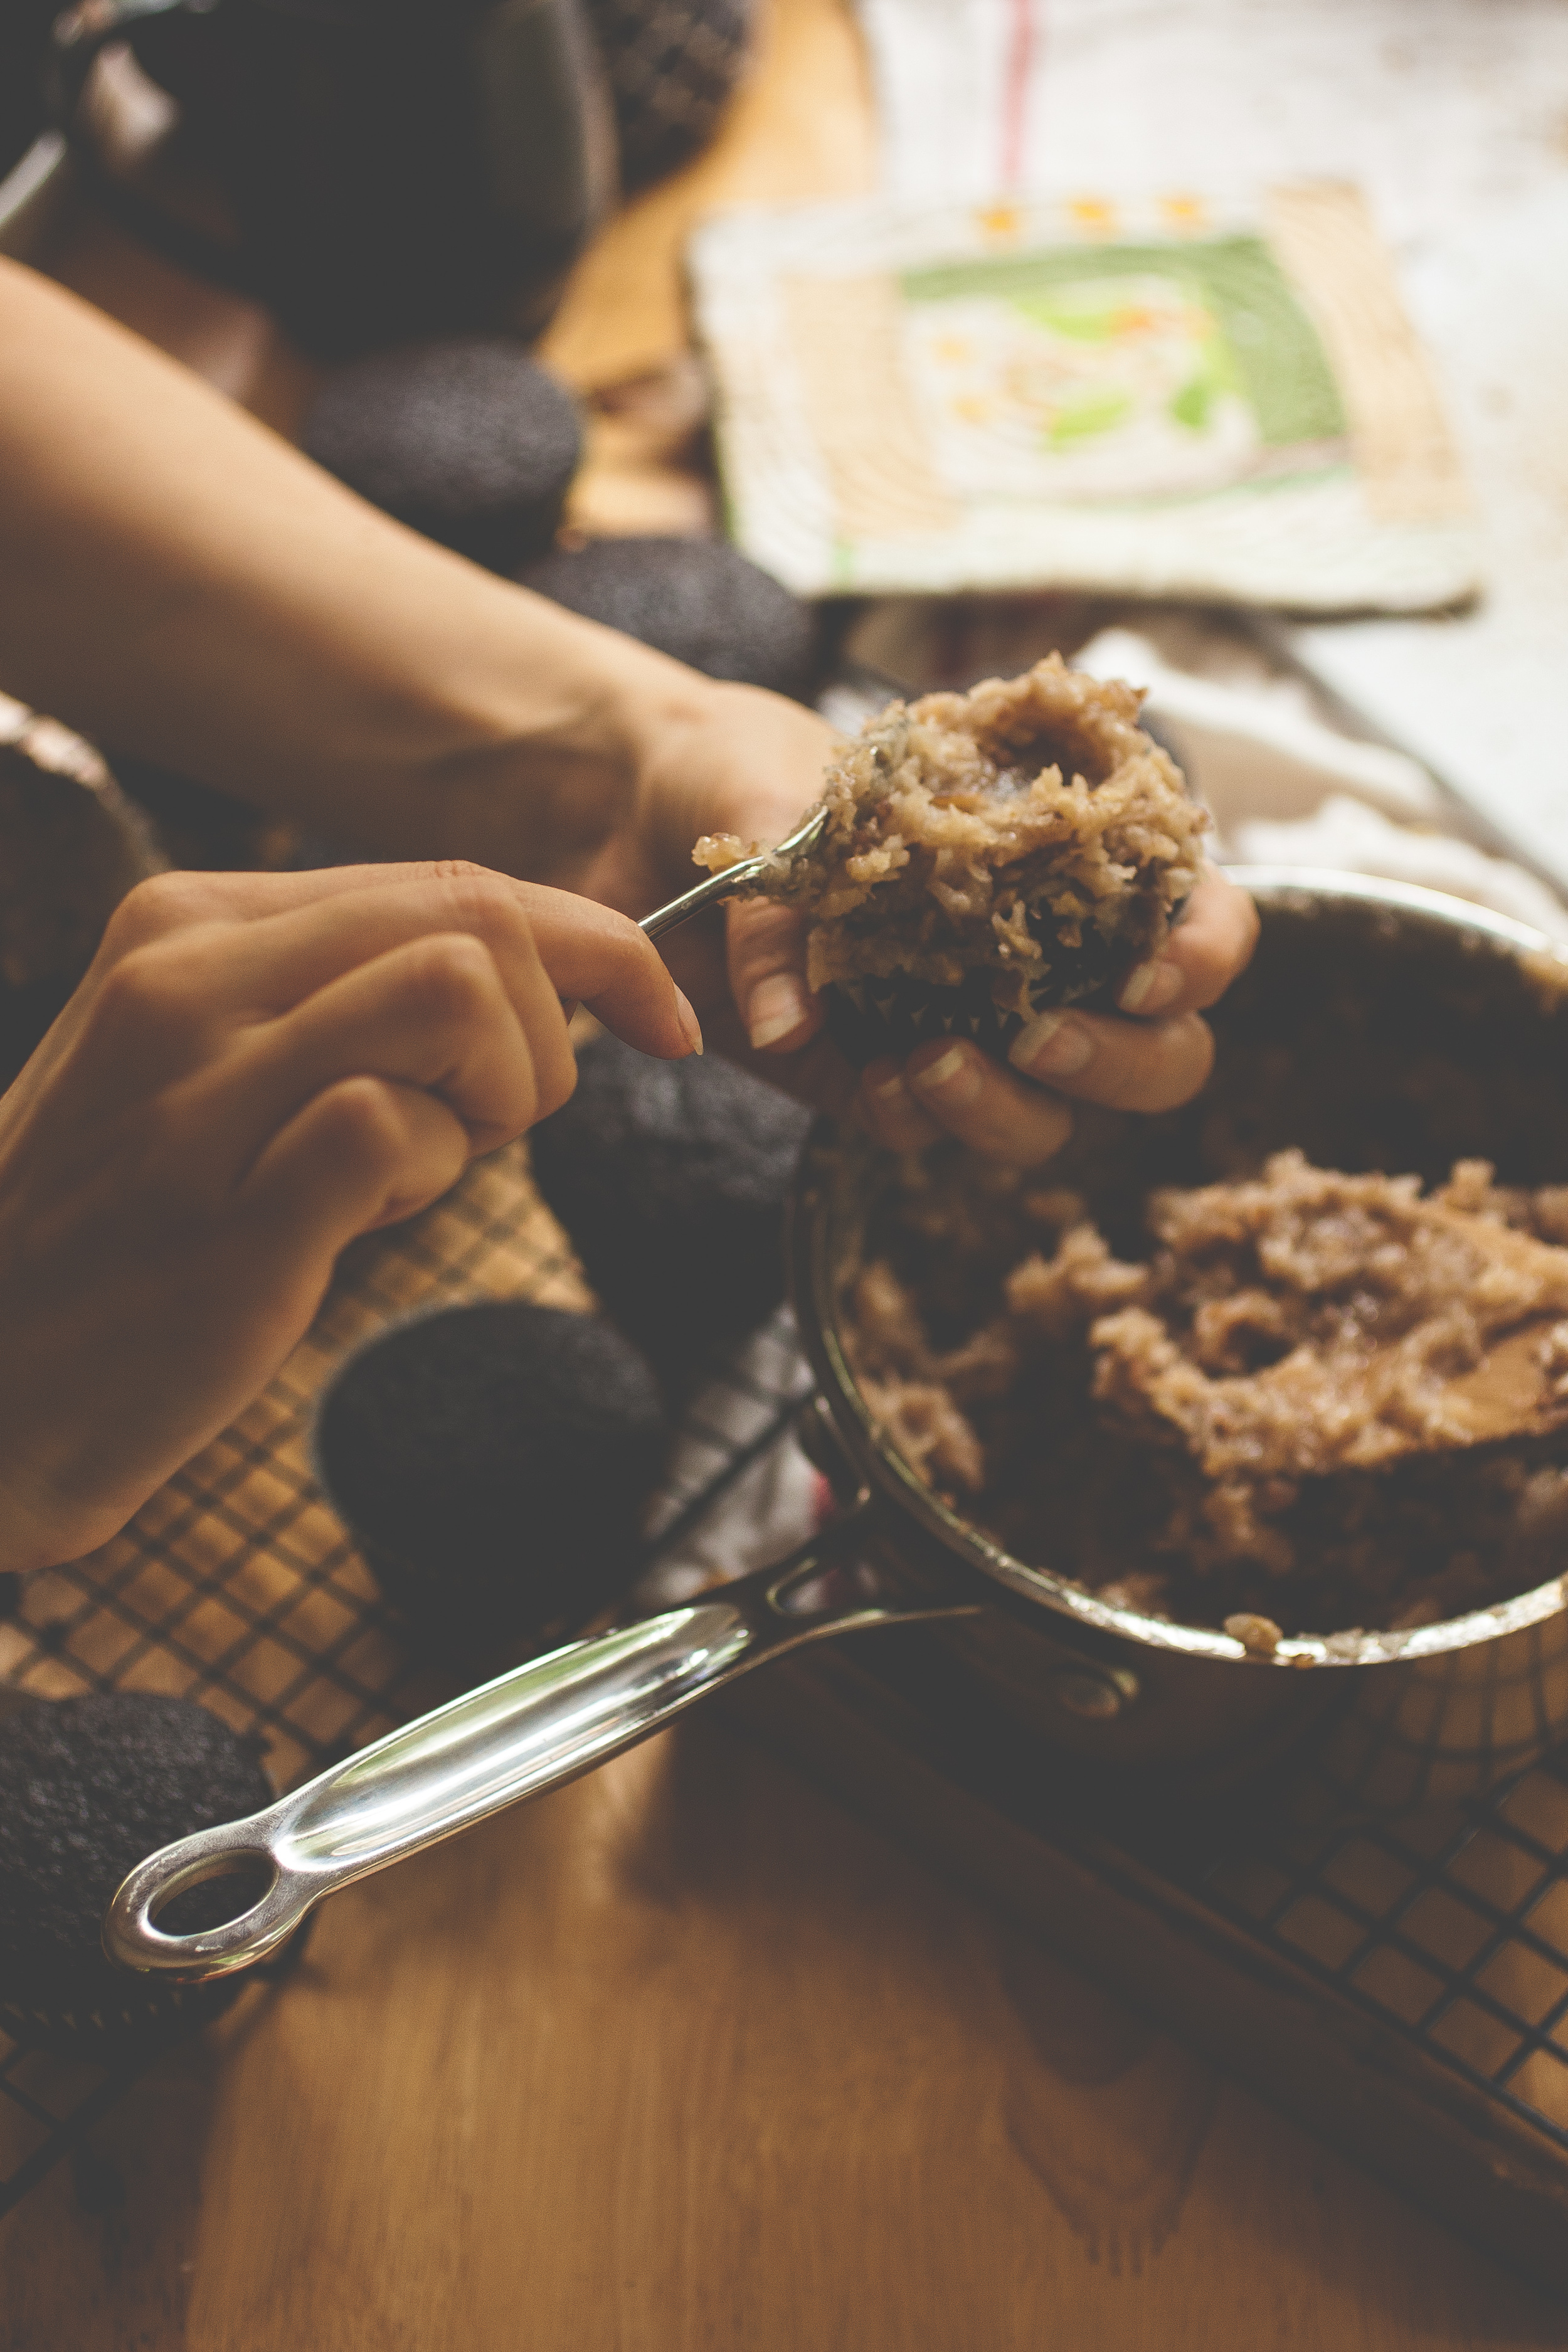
column 531, row 1730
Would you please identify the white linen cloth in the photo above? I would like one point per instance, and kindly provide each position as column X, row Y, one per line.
column 1449, row 114
column 1286, row 790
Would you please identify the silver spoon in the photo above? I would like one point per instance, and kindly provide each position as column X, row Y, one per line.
column 724, row 884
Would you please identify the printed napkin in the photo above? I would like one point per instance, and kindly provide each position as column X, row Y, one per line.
column 1180, row 395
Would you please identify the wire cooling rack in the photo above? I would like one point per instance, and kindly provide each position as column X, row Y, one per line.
column 1437, row 1945
column 1447, row 1928
column 1400, row 1982
column 1452, row 1931
column 237, row 1586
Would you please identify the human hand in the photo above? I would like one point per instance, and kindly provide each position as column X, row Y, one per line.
column 753, row 769
column 737, row 760
column 258, row 1068
column 1152, row 1055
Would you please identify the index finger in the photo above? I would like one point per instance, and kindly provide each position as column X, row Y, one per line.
column 602, row 959
column 179, row 899
column 984, row 1105
column 589, row 951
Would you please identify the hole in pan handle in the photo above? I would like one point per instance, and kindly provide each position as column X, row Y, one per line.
column 528, row 1731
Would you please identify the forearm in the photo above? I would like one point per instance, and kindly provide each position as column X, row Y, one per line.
column 180, row 583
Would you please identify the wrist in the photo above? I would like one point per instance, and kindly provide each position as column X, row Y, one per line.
column 526, row 746
column 745, row 761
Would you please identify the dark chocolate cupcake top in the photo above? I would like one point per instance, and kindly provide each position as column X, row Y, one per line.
column 493, row 1461
column 467, row 440
column 698, row 600
column 671, row 1179
column 89, row 1787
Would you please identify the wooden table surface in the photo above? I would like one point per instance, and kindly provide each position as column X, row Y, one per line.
column 684, row 2056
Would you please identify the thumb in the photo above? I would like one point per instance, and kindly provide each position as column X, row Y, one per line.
column 767, row 976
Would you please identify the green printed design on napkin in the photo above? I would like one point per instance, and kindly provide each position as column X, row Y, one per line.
column 1248, row 333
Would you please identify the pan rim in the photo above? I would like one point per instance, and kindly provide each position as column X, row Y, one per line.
column 813, row 1284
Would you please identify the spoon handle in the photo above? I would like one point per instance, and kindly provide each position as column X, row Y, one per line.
column 745, row 870
column 707, row 894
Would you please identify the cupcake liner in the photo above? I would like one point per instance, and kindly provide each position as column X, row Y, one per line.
column 892, row 1013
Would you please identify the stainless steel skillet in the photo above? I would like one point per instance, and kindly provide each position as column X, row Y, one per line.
column 1453, row 1703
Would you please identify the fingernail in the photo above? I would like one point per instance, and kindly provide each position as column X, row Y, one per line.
column 692, row 1028
column 1150, row 986
column 956, row 1076
column 892, row 1107
column 888, row 1106
column 777, row 1005
column 1051, row 1046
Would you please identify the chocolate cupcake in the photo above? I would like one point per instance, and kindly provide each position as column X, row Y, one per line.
column 492, row 1461
column 700, row 601
column 671, row 1178
column 466, row 440
column 89, row 1788
column 984, row 858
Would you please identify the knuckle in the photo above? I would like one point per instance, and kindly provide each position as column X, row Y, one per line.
column 453, row 974
column 161, row 1151
column 1049, row 1130
column 146, row 994
column 486, row 903
column 555, row 1085
column 362, row 1124
column 1189, row 1058
column 162, row 904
